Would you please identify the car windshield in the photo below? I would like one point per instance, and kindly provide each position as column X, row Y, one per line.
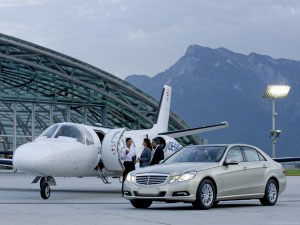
column 197, row 154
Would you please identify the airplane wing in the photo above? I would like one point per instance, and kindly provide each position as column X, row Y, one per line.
column 192, row 131
column 287, row 159
column 6, row 162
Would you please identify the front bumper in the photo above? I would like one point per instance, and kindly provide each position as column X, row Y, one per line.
column 184, row 191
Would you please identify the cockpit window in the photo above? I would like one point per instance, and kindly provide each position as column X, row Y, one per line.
column 50, row 131
column 70, row 131
column 89, row 137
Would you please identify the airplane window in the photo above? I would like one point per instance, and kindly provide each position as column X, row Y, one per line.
column 50, row 131
column 70, row 131
column 88, row 136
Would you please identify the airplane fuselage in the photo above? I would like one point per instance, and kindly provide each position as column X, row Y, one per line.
column 67, row 157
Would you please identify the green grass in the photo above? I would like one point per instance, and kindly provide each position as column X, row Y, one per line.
column 292, row 172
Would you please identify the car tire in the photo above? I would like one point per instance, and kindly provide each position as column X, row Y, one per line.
column 271, row 193
column 206, row 194
column 141, row 203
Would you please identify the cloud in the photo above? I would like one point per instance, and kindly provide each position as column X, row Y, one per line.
column 137, row 35
column 18, row 3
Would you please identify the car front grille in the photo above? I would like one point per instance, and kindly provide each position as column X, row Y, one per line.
column 151, row 179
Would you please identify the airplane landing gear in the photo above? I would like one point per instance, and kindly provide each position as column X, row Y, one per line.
column 45, row 190
column 42, row 180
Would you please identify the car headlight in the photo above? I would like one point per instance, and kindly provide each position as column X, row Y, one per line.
column 130, row 178
column 184, row 177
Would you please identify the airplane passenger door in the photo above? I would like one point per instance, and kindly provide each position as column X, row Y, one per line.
column 110, row 151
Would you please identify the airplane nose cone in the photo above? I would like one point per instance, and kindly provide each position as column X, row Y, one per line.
column 31, row 158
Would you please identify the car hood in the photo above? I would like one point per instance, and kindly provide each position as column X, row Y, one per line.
column 175, row 168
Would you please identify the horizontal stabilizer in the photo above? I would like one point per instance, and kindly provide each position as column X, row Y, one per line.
column 192, row 131
column 6, row 162
column 287, row 159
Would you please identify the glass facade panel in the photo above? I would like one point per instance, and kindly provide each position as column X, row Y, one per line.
column 24, row 119
column 6, row 143
column 42, row 118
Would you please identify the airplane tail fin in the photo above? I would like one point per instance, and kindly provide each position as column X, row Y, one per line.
column 162, row 119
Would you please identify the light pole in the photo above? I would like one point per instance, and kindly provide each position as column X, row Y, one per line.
column 274, row 92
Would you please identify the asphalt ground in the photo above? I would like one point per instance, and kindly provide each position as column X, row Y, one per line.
column 85, row 201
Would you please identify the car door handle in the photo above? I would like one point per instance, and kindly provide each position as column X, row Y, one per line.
column 245, row 168
column 264, row 166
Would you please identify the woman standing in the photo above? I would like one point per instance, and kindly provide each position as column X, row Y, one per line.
column 146, row 154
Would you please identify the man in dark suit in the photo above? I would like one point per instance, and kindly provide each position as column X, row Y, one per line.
column 158, row 152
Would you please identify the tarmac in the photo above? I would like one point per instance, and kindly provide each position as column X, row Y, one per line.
column 86, row 201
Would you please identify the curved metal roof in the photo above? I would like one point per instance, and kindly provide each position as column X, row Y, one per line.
column 29, row 72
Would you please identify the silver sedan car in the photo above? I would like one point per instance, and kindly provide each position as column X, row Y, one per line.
column 206, row 174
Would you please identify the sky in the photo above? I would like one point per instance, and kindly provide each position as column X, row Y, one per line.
column 148, row 36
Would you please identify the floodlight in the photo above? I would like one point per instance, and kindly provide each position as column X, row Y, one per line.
column 277, row 91
column 274, row 92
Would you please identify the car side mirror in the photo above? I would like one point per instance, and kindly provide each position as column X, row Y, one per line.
column 230, row 162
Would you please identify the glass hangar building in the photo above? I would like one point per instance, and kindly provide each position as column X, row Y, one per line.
column 40, row 87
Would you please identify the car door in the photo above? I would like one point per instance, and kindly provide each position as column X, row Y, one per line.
column 234, row 176
column 256, row 170
column 110, row 151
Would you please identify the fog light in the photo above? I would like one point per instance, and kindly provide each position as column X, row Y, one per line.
column 181, row 193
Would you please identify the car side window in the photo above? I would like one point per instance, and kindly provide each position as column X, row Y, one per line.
column 251, row 154
column 261, row 157
column 235, row 154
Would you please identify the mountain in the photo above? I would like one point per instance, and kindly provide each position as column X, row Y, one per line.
column 214, row 85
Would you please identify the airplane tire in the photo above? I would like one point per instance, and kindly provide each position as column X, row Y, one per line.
column 140, row 203
column 271, row 193
column 45, row 191
column 42, row 180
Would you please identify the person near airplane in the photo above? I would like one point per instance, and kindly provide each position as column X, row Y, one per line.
column 158, row 152
column 128, row 155
column 145, row 157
